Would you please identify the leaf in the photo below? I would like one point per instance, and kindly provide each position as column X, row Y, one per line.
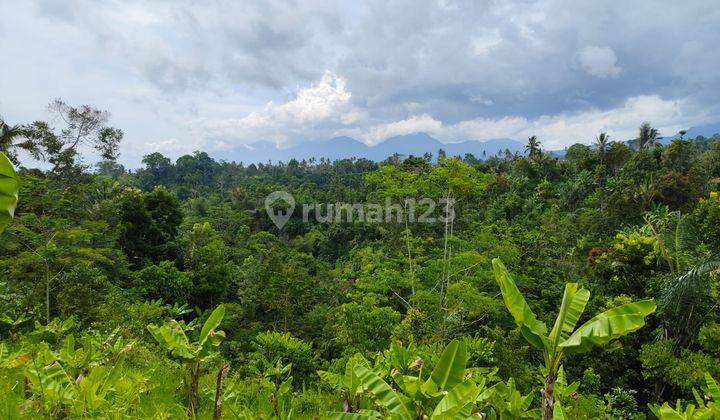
column 712, row 386
column 534, row 331
column 458, row 401
column 450, row 369
column 558, row 413
column 174, row 338
column 385, row 395
column 212, row 322
column 609, row 325
column 9, row 187
column 572, row 307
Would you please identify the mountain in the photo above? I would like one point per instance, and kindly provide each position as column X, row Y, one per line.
column 705, row 130
column 416, row 144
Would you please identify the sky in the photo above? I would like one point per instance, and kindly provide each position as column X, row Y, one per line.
column 179, row 76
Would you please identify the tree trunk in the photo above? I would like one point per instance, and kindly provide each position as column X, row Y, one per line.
column 548, row 397
column 193, row 391
column 47, row 299
column 218, row 391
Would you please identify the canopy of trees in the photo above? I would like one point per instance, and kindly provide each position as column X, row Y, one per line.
column 576, row 287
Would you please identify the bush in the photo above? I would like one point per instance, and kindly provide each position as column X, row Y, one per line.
column 271, row 346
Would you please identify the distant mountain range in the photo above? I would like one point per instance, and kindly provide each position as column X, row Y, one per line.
column 411, row 144
column 346, row 147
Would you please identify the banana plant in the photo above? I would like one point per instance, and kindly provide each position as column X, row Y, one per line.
column 79, row 382
column 348, row 385
column 564, row 339
column 708, row 405
column 191, row 354
column 445, row 394
column 9, row 187
column 504, row 401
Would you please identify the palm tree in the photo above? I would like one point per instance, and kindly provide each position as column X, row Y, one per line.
column 647, row 136
column 533, row 147
column 602, row 142
column 8, row 136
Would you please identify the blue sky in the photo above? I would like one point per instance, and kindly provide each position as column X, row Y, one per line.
column 180, row 76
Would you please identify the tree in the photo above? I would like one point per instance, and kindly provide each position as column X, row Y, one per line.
column 565, row 339
column 13, row 139
column 533, row 147
column 207, row 260
column 647, row 136
column 148, row 224
column 602, row 141
column 158, row 171
column 81, row 126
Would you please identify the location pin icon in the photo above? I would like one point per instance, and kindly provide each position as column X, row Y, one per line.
column 281, row 217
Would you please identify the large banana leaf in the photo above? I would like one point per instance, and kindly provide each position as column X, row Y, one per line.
column 212, row 322
column 450, row 369
column 572, row 307
column 609, row 325
column 458, row 403
column 9, row 186
column 386, row 396
column 174, row 338
column 534, row 330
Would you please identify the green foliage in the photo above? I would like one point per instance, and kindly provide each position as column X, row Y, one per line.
column 9, row 186
column 396, row 318
column 273, row 347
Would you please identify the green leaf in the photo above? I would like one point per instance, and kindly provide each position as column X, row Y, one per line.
column 558, row 412
column 385, row 395
column 212, row 322
column 458, row 402
column 572, row 307
column 534, row 331
column 712, row 386
column 9, row 187
column 174, row 338
column 609, row 325
column 450, row 369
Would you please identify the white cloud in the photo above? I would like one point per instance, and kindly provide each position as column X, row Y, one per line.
column 324, row 102
column 556, row 131
column 415, row 124
column 483, row 44
column 599, row 61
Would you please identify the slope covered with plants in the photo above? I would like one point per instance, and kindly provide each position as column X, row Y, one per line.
column 581, row 287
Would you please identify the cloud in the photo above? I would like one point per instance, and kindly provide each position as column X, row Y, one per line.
column 324, row 102
column 229, row 73
column 599, row 61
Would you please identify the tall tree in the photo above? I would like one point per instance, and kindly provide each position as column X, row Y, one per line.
column 533, row 147
column 602, row 141
column 647, row 136
column 81, row 126
column 13, row 139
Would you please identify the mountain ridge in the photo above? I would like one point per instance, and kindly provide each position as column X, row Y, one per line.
column 416, row 144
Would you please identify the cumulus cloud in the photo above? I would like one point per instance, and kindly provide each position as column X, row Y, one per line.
column 599, row 61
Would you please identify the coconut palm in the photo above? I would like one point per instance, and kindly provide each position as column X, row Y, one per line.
column 647, row 136
column 602, row 143
column 533, row 147
column 14, row 138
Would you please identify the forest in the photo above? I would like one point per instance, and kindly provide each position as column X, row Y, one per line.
column 582, row 286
